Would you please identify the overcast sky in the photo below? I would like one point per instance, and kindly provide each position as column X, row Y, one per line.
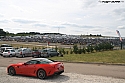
column 71, row 17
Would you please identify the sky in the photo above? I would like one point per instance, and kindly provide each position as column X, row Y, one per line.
column 71, row 17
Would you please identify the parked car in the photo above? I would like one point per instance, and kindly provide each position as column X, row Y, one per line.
column 36, row 53
column 38, row 67
column 24, row 52
column 2, row 49
column 5, row 45
column 9, row 53
column 49, row 52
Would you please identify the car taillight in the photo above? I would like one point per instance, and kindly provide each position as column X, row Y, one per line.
column 20, row 52
column 62, row 64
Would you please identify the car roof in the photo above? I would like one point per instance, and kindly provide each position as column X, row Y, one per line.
column 48, row 49
column 6, row 47
column 23, row 48
column 9, row 49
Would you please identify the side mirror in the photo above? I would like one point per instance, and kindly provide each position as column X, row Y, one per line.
column 25, row 64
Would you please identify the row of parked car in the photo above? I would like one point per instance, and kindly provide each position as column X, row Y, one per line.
column 27, row 52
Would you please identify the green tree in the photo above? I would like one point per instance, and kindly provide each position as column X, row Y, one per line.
column 88, row 49
column 96, row 48
column 91, row 48
column 56, row 48
column 2, row 33
column 75, row 49
column 83, row 50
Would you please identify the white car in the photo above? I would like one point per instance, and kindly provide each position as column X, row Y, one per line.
column 9, row 53
column 2, row 49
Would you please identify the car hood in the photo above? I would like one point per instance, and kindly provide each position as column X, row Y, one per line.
column 17, row 64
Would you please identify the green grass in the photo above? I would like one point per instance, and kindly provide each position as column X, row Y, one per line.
column 115, row 57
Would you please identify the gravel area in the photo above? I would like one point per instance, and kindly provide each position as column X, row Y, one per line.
column 63, row 78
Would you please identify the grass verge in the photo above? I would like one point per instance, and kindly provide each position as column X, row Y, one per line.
column 114, row 57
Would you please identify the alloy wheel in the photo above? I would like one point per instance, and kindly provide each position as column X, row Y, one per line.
column 41, row 74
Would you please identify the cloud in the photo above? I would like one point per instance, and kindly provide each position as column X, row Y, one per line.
column 4, row 21
column 65, row 16
column 1, row 15
column 58, row 27
column 77, row 26
column 40, row 25
column 23, row 21
column 121, row 27
column 122, row 18
column 120, row 12
column 90, row 3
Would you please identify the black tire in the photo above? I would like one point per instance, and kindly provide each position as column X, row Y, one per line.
column 41, row 74
column 11, row 71
column 49, row 55
column 10, row 55
column 23, row 56
column 39, row 56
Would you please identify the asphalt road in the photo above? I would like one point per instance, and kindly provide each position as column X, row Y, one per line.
column 116, row 71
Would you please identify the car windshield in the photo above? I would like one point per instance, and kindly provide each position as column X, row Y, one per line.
column 44, row 50
column 6, row 51
column 35, row 50
column 19, row 50
column 44, row 61
column 12, row 51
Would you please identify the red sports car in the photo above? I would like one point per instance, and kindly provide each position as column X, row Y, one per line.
column 38, row 67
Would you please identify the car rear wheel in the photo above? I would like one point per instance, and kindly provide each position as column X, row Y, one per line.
column 10, row 55
column 39, row 56
column 23, row 56
column 11, row 71
column 41, row 74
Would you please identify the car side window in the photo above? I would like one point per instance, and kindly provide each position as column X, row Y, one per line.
column 24, row 49
column 29, row 50
column 32, row 62
column 12, row 51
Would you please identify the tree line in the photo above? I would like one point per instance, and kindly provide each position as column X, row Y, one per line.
column 6, row 33
column 88, row 49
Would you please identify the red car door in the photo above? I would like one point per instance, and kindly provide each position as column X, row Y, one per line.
column 26, row 69
column 29, row 69
column 21, row 69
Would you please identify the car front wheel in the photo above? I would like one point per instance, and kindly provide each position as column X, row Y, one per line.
column 11, row 71
column 41, row 74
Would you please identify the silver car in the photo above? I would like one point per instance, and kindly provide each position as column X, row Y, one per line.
column 24, row 52
column 49, row 52
column 9, row 53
